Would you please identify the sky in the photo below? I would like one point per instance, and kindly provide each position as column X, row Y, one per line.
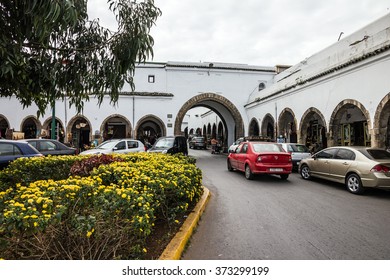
column 254, row 32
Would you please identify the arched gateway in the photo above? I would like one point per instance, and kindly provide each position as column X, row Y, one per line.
column 226, row 110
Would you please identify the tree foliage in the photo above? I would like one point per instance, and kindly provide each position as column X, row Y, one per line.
column 50, row 49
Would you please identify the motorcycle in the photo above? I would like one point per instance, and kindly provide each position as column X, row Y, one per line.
column 216, row 149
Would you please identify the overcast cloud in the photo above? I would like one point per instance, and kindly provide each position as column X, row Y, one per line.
column 255, row 32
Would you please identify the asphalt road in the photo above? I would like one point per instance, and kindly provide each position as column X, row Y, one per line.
column 268, row 218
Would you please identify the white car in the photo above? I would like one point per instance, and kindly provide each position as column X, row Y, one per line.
column 234, row 146
column 120, row 146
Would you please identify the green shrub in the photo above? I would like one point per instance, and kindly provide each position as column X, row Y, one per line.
column 107, row 215
column 27, row 170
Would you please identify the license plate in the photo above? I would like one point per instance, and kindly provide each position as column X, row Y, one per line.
column 276, row 169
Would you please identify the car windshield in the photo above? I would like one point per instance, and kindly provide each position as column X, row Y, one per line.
column 200, row 139
column 107, row 145
column 260, row 148
column 299, row 148
column 376, row 154
column 164, row 143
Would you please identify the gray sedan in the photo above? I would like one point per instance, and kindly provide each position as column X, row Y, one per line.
column 356, row 167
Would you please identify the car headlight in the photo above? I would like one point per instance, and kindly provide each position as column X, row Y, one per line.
column 164, row 151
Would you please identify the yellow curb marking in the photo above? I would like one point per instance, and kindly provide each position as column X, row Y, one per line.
column 176, row 247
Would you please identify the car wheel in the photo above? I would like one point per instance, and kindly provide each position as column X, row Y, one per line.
column 284, row 176
column 354, row 184
column 248, row 172
column 305, row 172
column 229, row 165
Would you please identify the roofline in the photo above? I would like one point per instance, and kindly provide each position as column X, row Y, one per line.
column 322, row 74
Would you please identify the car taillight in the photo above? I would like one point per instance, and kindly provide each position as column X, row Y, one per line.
column 380, row 168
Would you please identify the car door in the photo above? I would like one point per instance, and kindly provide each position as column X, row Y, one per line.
column 320, row 165
column 132, row 146
column 241, row 157
column 340, row 164
column 233, row 157
column 8, row 153
column 120, row 147
column 48, row 148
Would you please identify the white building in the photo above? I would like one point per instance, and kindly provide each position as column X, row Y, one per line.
column 338, row 96
column 164, row 93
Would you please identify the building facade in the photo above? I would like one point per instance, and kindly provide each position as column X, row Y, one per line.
column 339, row 96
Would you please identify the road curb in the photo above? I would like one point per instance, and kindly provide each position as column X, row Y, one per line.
column 176, row 247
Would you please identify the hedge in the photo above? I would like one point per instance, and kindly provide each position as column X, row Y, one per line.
column 107, row 214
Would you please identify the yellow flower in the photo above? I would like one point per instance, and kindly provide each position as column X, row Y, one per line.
column 35, row 224
column 144, row 249
column 124, row 195
column 89, row 233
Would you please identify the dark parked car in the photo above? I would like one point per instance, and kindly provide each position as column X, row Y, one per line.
column 170, row 145
column 51, row 147
column 260, row 158
column 11, row 150
column 197, row 143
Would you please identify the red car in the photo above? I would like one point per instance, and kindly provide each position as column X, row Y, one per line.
column 260, row 158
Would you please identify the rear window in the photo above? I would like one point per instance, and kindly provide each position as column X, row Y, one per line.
column 8, row 149
column 376, row 154
column 298, row 148
column 164, row 143
column 132, row 144
column 260, row 148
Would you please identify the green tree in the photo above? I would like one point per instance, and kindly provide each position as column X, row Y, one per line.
column 50, row 49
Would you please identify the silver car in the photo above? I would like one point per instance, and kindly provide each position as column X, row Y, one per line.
column 297, row 151
column 356, row 167
column 121, row 146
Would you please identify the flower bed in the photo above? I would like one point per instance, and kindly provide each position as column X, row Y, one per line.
column 107, row 214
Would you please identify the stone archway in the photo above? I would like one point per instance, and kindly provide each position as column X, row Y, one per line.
column 222, row 106
column 31, row 127
column 287, row 126
column 254, row 129
column 268, row 127
column 349, row 125
column 115, row 127
column 79, row 132
column 4, row 126
column 59, row 130
column 381, row 129
column 313, row 129
column 149, row 128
